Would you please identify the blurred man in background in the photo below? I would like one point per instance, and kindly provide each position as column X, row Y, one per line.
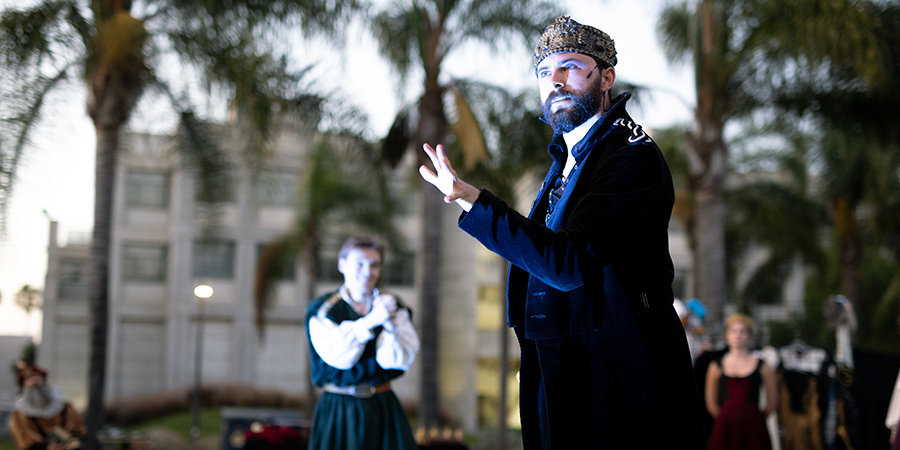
column 42, row 418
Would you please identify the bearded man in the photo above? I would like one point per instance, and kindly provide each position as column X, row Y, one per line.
column 604, row 361
column 42, row 418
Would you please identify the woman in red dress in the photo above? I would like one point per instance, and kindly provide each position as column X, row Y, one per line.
column 732, row 392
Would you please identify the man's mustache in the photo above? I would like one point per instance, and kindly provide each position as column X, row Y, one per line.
column 559, row 95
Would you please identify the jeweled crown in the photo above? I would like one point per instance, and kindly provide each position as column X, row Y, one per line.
column 567, row 35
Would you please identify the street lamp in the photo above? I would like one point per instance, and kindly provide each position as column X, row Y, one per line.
column 202, row 292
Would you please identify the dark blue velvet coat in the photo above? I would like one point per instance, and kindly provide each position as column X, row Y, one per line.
column 605, row 362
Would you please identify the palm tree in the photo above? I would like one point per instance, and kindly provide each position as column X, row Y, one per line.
column 114, row 47
column 741, row 52
column 421, row 34
column 29, row 298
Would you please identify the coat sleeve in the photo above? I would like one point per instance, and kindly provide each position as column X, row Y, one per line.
column 621, row 190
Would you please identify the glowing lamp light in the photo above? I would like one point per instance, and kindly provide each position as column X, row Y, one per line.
column 203, row 291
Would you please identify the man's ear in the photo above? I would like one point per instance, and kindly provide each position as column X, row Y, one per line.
column 609, row 78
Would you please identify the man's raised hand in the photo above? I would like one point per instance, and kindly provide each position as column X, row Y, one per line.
column 444, row 178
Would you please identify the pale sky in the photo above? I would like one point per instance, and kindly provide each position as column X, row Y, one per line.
column 58, row 174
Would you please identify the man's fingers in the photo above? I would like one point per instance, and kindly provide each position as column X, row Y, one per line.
column 432, row 155
column 428, row 175
column 443, row 156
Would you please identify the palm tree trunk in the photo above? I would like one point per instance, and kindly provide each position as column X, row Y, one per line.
column 711, row 254
column 709, row 224
column 708, row 177
column 432, row 129
column 107, row 151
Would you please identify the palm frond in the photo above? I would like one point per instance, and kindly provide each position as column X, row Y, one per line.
column 20, row 113
column 468, row 132
column 30, row 36
column 396, row 31
column 673, row 29
column 398, row 139
column 503, row 23
column 515, row 138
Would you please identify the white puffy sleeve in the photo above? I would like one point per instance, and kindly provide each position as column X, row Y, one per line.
column 339, row 345
column 398, row 343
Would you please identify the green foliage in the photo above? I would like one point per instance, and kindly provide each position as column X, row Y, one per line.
column 783, row 333
column 180, row 423
column 421, row 33
column 233, row 46
column 820, row 78
column 143, row 409
column 878, row 333
column 28, row 354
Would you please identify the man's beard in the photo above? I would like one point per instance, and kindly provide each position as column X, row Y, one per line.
column 38, row 396
column 584, row 105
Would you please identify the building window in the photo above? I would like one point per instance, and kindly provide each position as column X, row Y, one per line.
column 73, row 279
column 328, row 271
column 147, row 189
column 288, row 267
column 399, row 270
column 144, row 262
column 213, row 259
column 230, row 185
column 277, row 188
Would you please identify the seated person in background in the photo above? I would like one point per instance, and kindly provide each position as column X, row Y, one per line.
column 42, row 418
column 360, row 340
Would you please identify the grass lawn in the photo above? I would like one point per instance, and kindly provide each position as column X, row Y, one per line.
column 181, row 423
column 178, row 422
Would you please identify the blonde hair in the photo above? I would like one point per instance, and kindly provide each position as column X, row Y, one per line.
column 739, row 318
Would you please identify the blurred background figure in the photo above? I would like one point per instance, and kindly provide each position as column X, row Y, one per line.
column 840, row 317
column 360, row 340
column 733, row 386
column 42, row 418
column 693, row 314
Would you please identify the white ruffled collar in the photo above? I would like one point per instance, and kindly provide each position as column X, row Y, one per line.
column 57, row 403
